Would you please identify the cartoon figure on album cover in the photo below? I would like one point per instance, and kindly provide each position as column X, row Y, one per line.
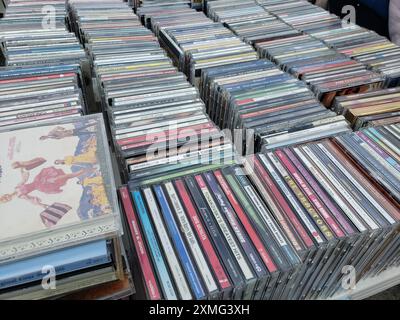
column 51, row 176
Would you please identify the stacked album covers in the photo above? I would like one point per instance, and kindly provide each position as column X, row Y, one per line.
column 156, row 119
column 326, row 71
column 273, row 34
column 376, row 151
column 376, row 108
column 34, row 32
column 60, row 214
column 366, row 46
column 250, row 22
column 255, row 96
column 42, row 78
column 207, row 236
column 154, row 17
column 269, row 105
column 284, row 224
column 282, row 227
column 301, row 14
column 39, row 93
column 333, row 213
column 196, row 43
column 236, row 11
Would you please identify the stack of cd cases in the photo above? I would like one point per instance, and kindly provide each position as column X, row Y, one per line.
column 60, row 222
column 32, row 34
column 224, row 11
column 327, row 72
column 266, row 91
column 156, row 119
column 302, row 15
column 197, row 43
column 376, row 151
column 265, row 102
column 249, row 21
column 284, row 226
column 310, row 201
column 207, row 236
column 39, row 93
column 366, row 46
column 331, row 210
column 376, row 108
column 42, row 78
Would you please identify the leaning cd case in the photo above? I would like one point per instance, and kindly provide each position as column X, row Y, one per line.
column 56, row 187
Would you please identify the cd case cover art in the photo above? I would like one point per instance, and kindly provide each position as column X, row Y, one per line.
column 54, row 176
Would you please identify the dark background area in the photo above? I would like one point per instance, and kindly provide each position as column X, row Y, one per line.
column 365, row 16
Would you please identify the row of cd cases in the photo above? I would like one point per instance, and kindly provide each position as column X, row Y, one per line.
column 324, row 46
column 145, row 201
column 326, row 200
column 43, row 73
column 101, row 38
column 144, row 97
column 310, row 61
column 255, row 25
column 165, row 225
column 363, row 45
column 72, row 223
column 238, row 88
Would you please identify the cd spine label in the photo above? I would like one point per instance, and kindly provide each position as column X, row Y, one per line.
column 149, row 278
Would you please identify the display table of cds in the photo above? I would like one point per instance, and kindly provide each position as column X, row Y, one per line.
column 298, row 198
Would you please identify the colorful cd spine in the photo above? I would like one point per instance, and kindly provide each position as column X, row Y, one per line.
column 313, row 198
column 149, row 279
column 225, row 229
column 249, row 250
column 286, row 209
column 175, row 267
column 372, row 224
column 256, row 219
column 262, row 251
column 156, row 254
column 270, row 222
column 206, row 242
column 331, row 191
column 185, row 259
column 187, row 230
column 324, row 197
column 301, row 197
column 361, row 188
column 221, row 246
